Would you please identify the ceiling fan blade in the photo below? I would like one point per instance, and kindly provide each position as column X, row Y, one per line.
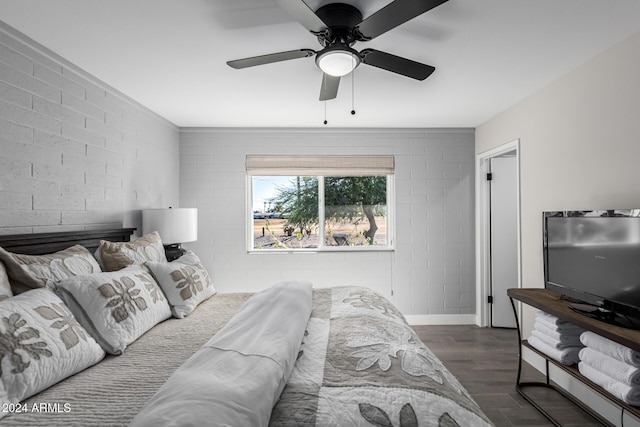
column 396, row 64
column 395, row 13
column 270, row 58
column 329, row 88
column 299, row 11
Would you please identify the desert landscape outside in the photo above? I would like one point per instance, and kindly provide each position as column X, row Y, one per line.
column 269, row 233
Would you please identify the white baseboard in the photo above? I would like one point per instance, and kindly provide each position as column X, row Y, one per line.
column 441, row 319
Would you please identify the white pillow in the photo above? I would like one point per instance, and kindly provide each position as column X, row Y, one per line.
column 116, row 308
column 43, row 344
column 185, row 282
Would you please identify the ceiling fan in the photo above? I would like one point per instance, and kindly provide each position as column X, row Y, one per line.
column 338, row 26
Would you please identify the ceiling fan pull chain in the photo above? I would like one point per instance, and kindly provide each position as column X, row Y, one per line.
column 325, row 112
column 324, row 84
column 353, row 85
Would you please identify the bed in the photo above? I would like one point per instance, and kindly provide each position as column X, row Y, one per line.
column 291, row 355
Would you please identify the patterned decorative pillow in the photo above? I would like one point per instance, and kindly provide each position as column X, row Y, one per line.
column 39, row 271
column 5, row 286
column 117, row 307
column 118, row 255
column 184, row 281
column 41, row 343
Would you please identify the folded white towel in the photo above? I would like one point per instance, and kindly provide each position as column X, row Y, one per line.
column 559, row 342
column 610, row 348
column 556, row 335
column 624, row 392
column 556, row 324
column 566, row 356
column 616, row 369
column 550, row 318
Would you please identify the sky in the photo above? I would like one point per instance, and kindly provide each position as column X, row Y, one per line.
column 264, row 187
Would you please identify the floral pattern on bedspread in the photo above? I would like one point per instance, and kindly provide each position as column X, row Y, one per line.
column 362, row 365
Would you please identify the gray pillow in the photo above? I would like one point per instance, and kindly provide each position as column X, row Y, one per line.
column 118, row 255
column 5, row 286
column 39, row 271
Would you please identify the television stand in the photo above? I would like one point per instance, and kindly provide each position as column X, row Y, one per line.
column 552, row 303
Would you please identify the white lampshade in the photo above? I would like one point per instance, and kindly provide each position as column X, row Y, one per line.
column 175, row 225
column 338, row 60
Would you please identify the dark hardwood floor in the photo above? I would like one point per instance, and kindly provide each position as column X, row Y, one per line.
column 485, row 360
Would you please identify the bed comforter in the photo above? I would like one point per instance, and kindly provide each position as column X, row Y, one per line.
column 359, row 364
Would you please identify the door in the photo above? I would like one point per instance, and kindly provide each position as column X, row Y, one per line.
column 504, row 238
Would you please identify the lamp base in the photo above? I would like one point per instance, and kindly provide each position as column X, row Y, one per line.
column 174, row 251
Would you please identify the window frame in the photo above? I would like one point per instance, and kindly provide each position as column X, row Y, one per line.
column 322, row 247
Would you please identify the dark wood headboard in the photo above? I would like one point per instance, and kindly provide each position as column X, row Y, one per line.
column 46, row 243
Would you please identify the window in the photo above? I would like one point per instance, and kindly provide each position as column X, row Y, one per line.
column 320, row 202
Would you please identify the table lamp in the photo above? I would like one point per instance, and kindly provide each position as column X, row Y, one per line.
column 175, row 226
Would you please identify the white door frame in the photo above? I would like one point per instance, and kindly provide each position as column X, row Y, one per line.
column 483, row 241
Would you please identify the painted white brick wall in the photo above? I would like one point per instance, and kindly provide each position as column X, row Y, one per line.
column 74, row 152
column 431, row 272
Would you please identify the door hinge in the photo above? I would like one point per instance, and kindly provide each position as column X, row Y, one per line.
column 490, row 299
column 489, row 176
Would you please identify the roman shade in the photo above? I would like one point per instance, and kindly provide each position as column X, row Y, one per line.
column 319, row 165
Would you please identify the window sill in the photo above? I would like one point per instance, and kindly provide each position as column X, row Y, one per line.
column 342, row 249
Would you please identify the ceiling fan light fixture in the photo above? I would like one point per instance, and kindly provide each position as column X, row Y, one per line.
column 338, row 60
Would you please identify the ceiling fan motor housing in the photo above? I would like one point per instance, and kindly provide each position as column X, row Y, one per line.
column 341, row 19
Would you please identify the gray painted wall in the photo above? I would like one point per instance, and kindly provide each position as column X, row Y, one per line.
column 431, row 271
column 74, row 152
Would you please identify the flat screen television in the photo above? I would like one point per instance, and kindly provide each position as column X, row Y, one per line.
column 594, row 257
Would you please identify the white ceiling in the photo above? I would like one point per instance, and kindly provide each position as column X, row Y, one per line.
column 170, row 55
